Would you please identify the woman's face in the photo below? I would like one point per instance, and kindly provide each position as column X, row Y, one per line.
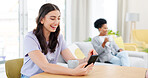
column 51, row 21
column 103, row 30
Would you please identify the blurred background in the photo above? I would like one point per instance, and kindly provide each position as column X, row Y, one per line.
column 17, row 17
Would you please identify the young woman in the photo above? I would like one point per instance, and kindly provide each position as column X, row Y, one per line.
column 106, row 47
column 44, row 44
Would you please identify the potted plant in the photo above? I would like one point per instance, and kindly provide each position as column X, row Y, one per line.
column 145, row 50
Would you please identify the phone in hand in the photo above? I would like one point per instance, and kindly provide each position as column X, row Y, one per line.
column 92, row 59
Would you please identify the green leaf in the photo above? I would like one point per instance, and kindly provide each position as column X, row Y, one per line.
column 88, row 40
column 145, row 50
column 110, row 32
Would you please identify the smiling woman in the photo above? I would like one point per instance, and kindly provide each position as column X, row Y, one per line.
column 32, row 13
column 48, row 25
column 51, row 21
column 43, row 45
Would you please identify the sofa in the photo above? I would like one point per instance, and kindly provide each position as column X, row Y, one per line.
column 139, row 36
column 137, row 59
column 124, row 46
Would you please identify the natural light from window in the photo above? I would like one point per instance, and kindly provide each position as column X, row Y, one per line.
column 103, row 9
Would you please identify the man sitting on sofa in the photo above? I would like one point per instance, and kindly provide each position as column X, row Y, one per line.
column 106, row 47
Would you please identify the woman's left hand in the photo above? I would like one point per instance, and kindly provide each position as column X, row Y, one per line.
column 91, row 52
column 120, row 50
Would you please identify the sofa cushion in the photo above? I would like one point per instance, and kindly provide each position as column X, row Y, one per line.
column 146, row 45
column 119, row 42
column 75, row 50
column 85, row 47
column 137, row 62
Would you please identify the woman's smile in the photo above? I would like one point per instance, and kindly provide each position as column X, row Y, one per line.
column 54, row 27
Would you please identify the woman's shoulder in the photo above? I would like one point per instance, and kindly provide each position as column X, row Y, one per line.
column 96, row 37
column 60, row 36
column 31, row 35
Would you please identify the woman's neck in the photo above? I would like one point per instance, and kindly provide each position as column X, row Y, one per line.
column 101, row 34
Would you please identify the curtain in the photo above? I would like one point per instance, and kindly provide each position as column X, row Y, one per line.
column 77, row 22
column 122, row 25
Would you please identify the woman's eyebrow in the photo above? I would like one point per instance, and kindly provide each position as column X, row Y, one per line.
column 55, row 16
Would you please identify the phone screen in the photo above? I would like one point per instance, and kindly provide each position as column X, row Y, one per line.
column 92, row 59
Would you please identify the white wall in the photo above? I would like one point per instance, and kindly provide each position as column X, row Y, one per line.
column 141, row 7
column 131, row 6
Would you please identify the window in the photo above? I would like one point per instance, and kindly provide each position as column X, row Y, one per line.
column 9, row 29
column 33, row 7
column 103, row 9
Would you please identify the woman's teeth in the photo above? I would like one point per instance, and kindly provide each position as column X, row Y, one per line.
column 54, row 26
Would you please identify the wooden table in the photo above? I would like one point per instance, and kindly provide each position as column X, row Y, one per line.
column 103, row 72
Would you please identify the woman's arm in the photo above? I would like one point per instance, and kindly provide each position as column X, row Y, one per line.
column 67, row 55
column 98, row 46
column 40, row 60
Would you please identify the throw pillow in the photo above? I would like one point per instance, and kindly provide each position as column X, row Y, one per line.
column 119, row 42
column 77, row 53
column 85, row 47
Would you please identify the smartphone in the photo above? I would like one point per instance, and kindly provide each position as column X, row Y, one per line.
column 92, row 59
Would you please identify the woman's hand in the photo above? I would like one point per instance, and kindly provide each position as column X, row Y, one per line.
column 105, row 41
column 91, row 52
column 120, row 50
column 80, row 70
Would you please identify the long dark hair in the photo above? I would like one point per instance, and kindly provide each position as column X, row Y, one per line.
column 45, row 9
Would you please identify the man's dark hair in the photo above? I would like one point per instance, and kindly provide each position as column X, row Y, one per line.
column 99, row 23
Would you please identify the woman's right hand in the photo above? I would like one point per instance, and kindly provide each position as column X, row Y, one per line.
column 80, row 70
column 105, row 41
